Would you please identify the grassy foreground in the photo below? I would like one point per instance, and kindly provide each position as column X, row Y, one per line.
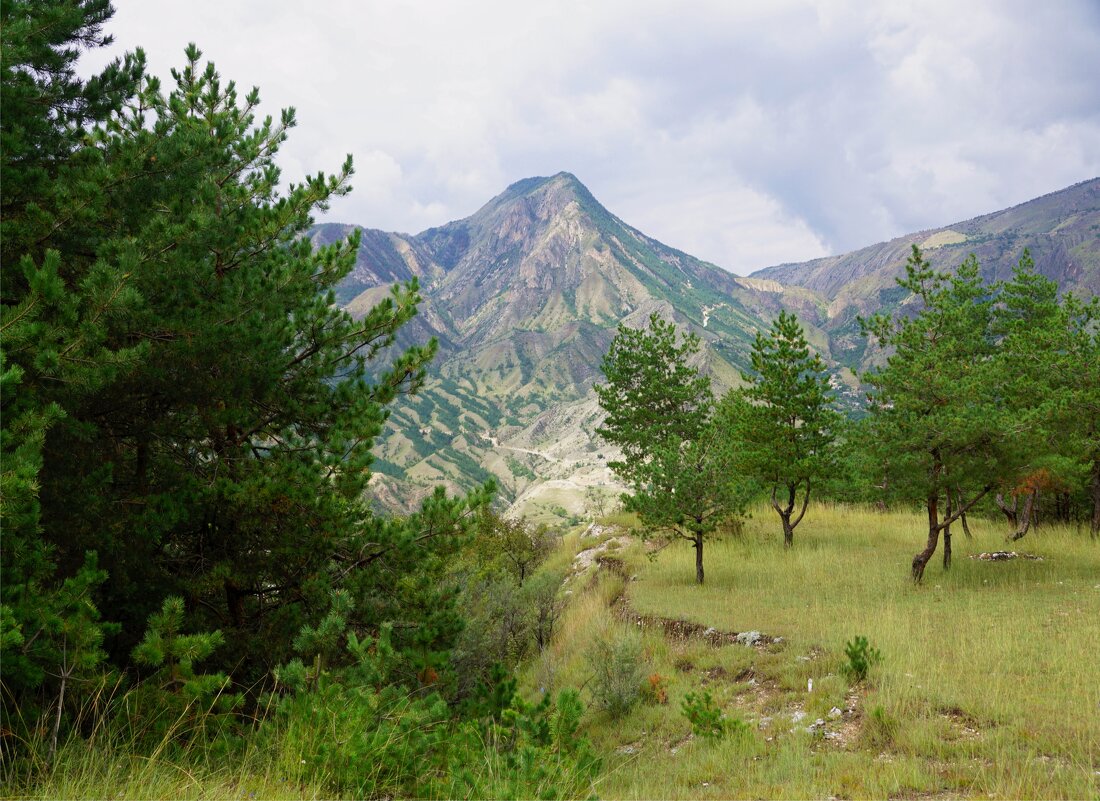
column 989, row 685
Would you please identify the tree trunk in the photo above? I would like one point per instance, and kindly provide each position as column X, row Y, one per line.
column 922, row 558
column 698, row 558
column 962, row 517
column 1009, row 511
column 785, row 512
column 788, row 530
column 234, row 601
column 1024, row 523
column 1095, row 528
column 947, row 535
column 880, row 504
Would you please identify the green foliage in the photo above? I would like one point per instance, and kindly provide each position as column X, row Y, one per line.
column 708, row 720
column 52, row 656
column 785, row 425
column 358, row 732
column 1049, row 350
column 520, row 470
column 653, row 396
column 861, row 656
column 364, row 741
column 47, row 108
column 176, row 701
column 542, row 595
column 509, row 545
column 507, row 604
column 678, row 458
column 939, row 420
column 977, row 393
column 497, row 629
column 617, row 671
column 533, row 751
column 181, row 395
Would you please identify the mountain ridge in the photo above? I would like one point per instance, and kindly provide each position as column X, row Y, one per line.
column 525, row 295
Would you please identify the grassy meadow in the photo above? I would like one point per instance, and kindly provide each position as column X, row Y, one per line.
column 988, row 685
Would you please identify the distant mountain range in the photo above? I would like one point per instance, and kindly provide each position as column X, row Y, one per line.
column 525, row 295
column 1062, row 231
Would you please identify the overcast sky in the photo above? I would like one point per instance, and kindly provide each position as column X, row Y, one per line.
column 745, row 133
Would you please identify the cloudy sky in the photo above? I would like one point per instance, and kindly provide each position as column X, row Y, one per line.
column 746, row 133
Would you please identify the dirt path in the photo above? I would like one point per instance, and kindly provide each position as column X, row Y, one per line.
column 496, row 444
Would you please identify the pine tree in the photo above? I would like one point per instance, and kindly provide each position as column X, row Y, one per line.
column 688, row 489
column 786, row 431
column 53, row 311
column 1047, row 353
column 938, row 410
column 1075, row 413
column 653, row 396
column 676, row 457
column 181, row 393
column 47, row 111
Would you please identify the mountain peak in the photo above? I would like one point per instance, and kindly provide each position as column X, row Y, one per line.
column 526, row 186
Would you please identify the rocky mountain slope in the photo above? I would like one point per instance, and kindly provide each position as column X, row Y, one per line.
column 1061, row 229
column 525, row 294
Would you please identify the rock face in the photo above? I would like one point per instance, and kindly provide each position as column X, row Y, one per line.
column 525, row 295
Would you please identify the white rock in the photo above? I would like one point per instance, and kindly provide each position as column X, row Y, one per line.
column 749, row 637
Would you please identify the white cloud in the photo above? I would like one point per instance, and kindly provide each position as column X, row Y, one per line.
column 746, row 133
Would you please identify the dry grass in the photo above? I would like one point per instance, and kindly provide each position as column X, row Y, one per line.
column 989, row 683
column 989, row 686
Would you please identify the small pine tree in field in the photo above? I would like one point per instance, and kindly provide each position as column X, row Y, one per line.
column 787, row 427
column 707, row 718
column 677, row 459
column 176, row 699
column 861, row 656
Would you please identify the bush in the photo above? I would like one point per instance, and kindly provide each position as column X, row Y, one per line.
column 617, row 666
column 707, row 719
column 861, row 656
column 542, row 593
column 499, row 629
column 531, row 751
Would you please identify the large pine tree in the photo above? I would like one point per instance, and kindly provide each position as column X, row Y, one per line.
column 181, row 395
column 939, row 416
